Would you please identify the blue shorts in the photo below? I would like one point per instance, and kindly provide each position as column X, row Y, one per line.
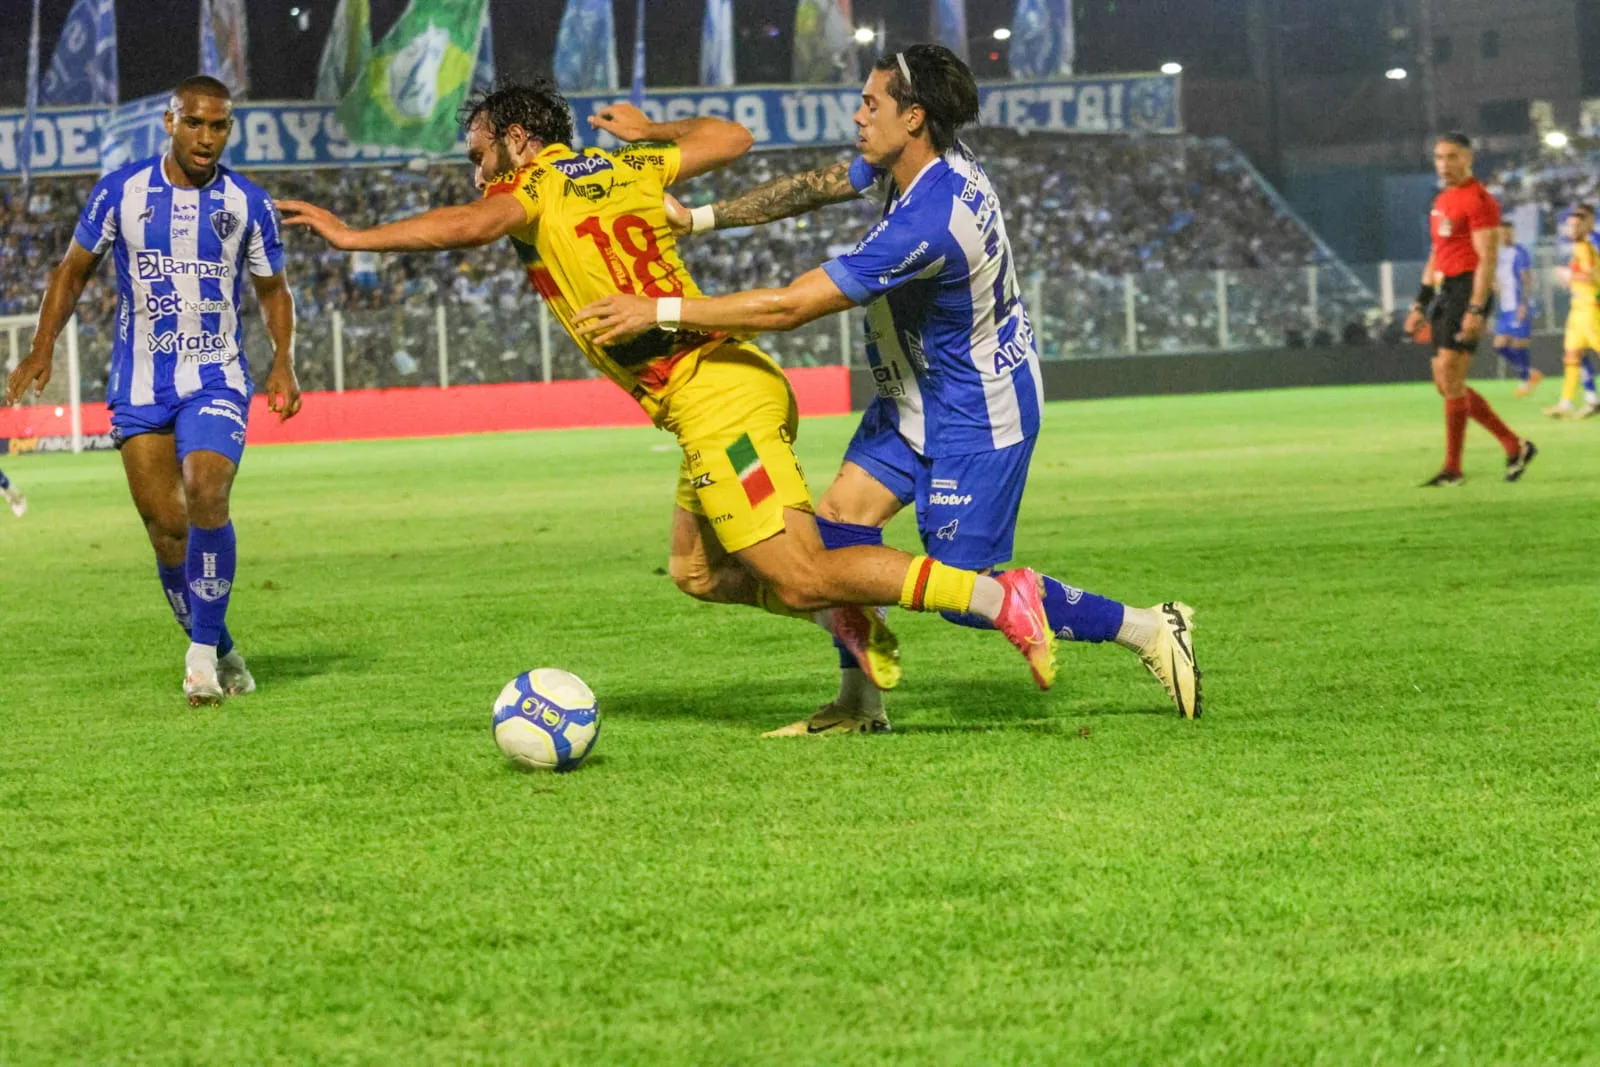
column 966, row 505
column 1505, row 325
column 212, row 420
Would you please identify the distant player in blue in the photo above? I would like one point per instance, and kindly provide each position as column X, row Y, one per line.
column 183, row 231
column 951, row 348
column 1513, row 291
column 17, row 502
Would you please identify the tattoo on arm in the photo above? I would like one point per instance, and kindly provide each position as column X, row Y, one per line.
column 786, row 197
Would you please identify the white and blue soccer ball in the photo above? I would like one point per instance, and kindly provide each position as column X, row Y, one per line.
column 546, row 720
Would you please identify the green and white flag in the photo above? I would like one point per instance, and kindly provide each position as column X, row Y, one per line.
column 348, row 51
column 417, row 78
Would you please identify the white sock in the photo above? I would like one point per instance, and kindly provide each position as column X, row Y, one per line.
column 201, row 658
column 988, row 597
column 857, row 692
column 1139, row 628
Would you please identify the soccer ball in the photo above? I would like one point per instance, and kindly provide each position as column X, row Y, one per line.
column 546, row 720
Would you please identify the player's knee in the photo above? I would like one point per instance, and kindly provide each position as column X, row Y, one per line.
column 208, row 504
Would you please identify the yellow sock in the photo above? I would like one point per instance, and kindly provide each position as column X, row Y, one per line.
column 767, row 600
column 933, row 586
column 1569, row 385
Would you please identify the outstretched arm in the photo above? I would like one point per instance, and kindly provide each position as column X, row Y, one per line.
column 809, row 297
column 704, row 144
column 780, row 198
column 466, row 226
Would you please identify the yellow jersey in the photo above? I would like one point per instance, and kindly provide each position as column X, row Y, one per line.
column 595, row 228
column 1585, row 286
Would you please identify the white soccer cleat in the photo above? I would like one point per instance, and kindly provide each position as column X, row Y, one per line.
column 200, row 683
column 234, row 677
column 202, row 688
column 19, row 504
column 1170, row 657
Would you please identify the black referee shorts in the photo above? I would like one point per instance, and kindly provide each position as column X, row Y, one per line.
column 1449, row 308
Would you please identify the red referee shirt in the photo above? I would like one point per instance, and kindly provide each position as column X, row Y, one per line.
column 1457, row 212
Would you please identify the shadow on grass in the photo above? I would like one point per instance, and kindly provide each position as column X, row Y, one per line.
column 972, row 709
column 298, row 665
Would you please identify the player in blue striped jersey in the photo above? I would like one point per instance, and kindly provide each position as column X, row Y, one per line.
column 14, row 498
column 951, row 349
column 1513, row 292
column 183, row 231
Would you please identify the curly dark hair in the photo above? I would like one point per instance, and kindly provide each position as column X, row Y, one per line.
column 536, row 106
column 941, row 85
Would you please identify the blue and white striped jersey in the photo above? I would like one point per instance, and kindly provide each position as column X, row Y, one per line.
column 180, row 257
column 1513, row 261
column 947, row 336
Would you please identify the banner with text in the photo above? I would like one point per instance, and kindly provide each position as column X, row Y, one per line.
column 67, row 140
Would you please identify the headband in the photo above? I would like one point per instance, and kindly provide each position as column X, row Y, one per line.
column 905, row 71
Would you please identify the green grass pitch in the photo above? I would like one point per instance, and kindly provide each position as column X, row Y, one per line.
column 1379, row 846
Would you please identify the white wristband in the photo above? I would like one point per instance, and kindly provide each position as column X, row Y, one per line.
column 669, row 310
column 702, row 219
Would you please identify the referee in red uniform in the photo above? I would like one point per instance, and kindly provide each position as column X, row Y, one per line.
column 1454, row 299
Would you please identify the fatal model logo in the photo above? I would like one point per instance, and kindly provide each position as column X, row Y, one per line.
column 187, row 345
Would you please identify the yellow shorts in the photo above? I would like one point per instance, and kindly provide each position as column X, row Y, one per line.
column 1583, row 331
column 735, row 419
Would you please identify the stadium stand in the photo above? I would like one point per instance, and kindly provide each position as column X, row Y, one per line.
column 1095, row 223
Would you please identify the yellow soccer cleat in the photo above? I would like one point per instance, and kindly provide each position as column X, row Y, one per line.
column 1562, row 410
column 832, row 719
column 1527, row 387
column 1170, row 658
column 868, row 638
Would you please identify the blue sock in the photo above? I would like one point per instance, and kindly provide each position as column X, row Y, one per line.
column 1073, row 614
column 847, row 535
column 1518, row 358
column 1588, row 375
column 5, row 483
column 212, row 557
column 173, row 584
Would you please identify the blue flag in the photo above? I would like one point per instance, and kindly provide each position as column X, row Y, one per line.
column 637, row 95
column 716, row 44
column 1042, row 44
column 586, row 47
column 83, row 69
column 483, row 73
column 950, row 25
column 225, row 44
column 25, row 141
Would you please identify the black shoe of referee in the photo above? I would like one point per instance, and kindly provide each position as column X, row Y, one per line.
column 1518, row 463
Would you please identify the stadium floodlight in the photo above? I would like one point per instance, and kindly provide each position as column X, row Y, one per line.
column 1395, row 74
column 1003, row 33
column 1170, row 67
column 866, row 35
column 1556, row 139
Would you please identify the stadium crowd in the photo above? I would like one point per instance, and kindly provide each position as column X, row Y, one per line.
column 1084, row 216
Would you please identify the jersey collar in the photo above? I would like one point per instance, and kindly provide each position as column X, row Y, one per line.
column 161, row 174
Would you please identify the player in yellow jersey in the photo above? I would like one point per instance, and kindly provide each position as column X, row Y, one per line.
column 591, row 224
column 1583, row 320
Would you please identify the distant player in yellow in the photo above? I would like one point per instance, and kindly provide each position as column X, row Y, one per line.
column 1583, row 321
column 591, row 224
